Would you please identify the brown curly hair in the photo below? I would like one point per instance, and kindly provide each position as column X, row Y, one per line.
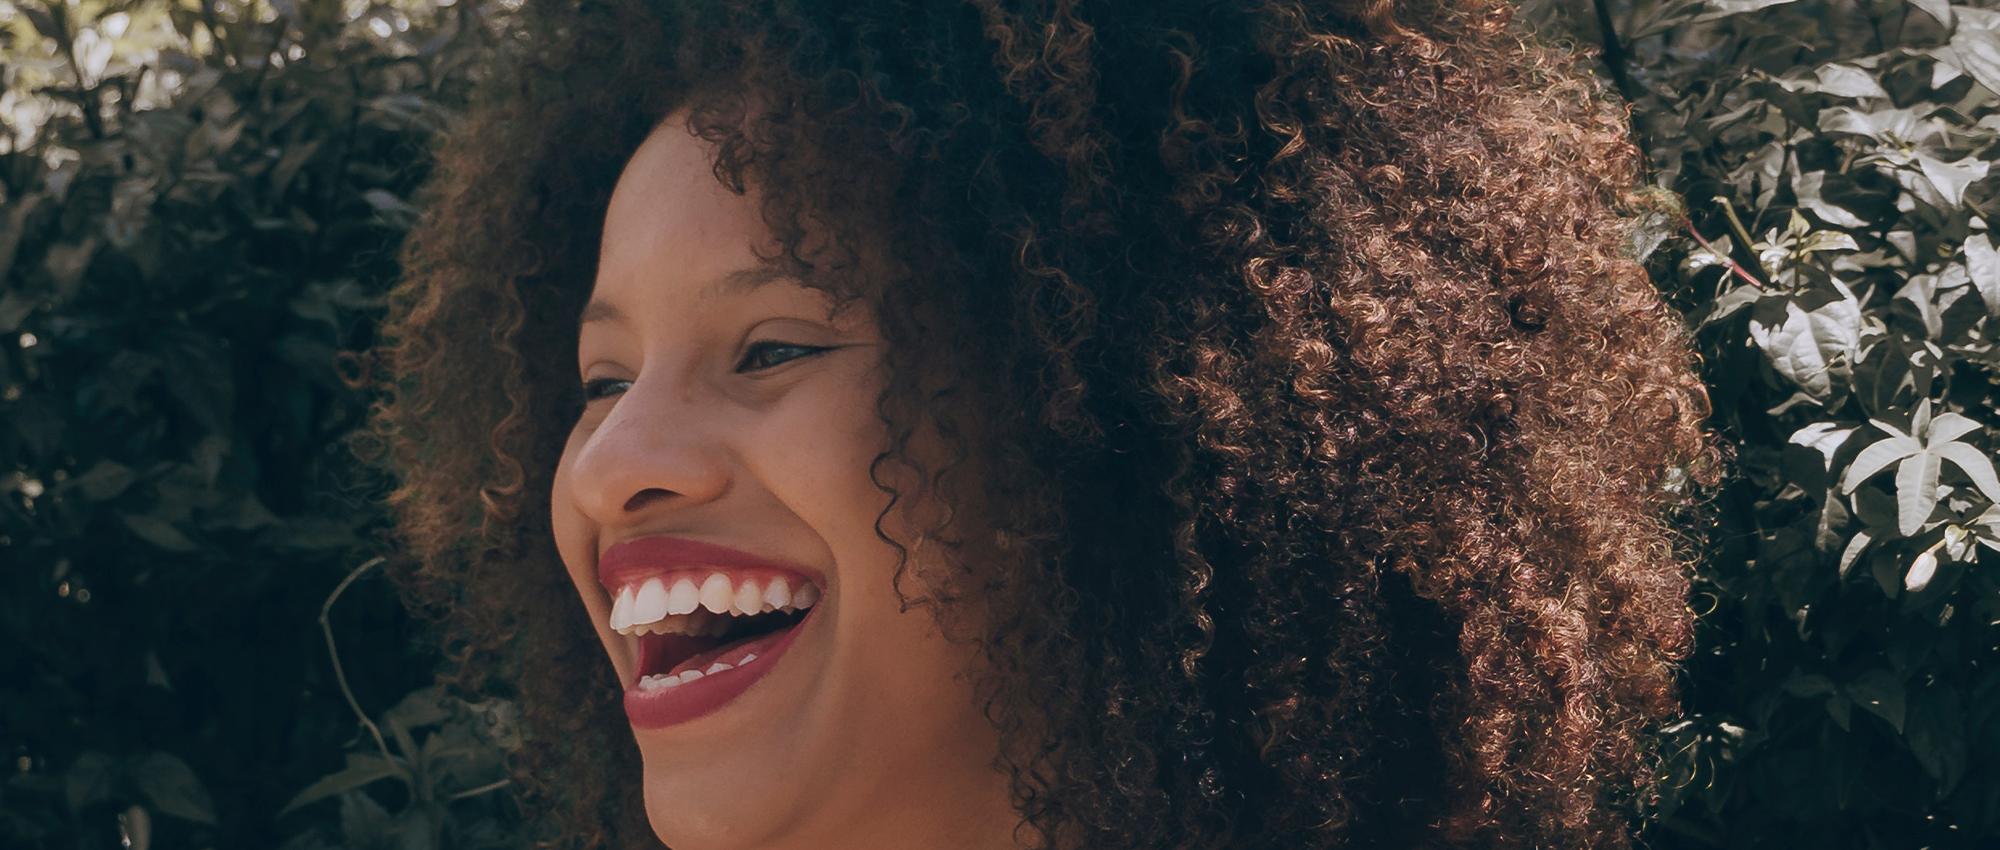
column 1322, row 437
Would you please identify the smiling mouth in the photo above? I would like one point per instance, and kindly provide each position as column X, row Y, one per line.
column 688, row 625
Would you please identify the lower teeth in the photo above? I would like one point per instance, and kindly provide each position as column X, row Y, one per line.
column 660, row 681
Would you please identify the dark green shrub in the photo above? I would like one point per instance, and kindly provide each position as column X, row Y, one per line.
column 1835, row 161
column 198, row 231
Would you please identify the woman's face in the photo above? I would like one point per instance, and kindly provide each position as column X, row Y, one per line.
column 715, row 511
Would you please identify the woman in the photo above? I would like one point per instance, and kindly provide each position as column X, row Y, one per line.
column 1155, row 424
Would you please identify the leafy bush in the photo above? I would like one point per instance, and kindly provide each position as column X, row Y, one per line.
column 1837, row 262
column 202, row 205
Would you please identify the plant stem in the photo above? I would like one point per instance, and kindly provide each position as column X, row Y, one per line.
column 333, row 652
column 1739, row 270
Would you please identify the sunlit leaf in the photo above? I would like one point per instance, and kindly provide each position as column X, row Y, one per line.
column 1948, row 426
column 1823, row 437
column 1939, row 9
column 1983, row 266
column 1809, row 188
column 1916, row 490
column 1877, row 457
column 1855, row 546
column 1976, row 465
column 1977, row 52
column 1951, row 178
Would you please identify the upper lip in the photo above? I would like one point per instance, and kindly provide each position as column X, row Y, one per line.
column 626, row 562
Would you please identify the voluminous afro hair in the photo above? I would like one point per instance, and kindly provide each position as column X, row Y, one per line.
column 1319, row 439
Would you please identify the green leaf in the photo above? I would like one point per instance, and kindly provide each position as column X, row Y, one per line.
column 1977, row 53
column 363, row 822
column 89, row 779
column 1877, row 457
column 1880, row 693
column 1976, row 465
column 14, row 308
column 1916, row 491
column 1852, row 554
column 1937, row 736
column 1951, row 178
column 361, row 770
column 1948, row 426
column 105, row 480
column 1823, row 437
column 173, row 787
column 1825, row 240
column 1843, row 80
column 1719, row 9
column 1809, row 188
column 1939, row 9
column 1803, row 345
column 1983, row 265
column 422, row 707
column 158, row 532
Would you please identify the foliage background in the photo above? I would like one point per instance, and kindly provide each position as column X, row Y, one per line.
column 202, row 205
column 202, row 200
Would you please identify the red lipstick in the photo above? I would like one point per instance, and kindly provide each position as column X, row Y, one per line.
column 734, row 662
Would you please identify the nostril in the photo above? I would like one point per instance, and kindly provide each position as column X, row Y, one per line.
column 646, row 497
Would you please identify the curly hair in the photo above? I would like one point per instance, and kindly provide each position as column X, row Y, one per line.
column 1322, row 437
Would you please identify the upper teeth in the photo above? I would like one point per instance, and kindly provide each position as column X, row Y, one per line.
column 679, row 607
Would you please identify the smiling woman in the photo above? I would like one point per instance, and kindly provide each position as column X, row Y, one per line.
column 715, row 509
column 980, row 425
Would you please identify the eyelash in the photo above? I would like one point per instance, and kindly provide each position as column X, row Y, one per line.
column 597, row 388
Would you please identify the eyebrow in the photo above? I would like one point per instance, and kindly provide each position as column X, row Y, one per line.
column 734, row 283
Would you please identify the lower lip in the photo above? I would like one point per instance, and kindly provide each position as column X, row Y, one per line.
column 664, row 707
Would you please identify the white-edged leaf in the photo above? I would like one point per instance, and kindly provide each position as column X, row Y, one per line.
column 1948, row 426
column 1852, row 554
column 1826, row 240
column 1793, row 351
column 1989, row 517
column 1951, row 178
column 1823, row 437
column 1876, row 458
column 1977, row 466
column 1730, row 302
column 1939, row 9
column 1843, row 80
column 1916, row 491
column 1982, row 264
column 1809, row 187
column 1977, row 52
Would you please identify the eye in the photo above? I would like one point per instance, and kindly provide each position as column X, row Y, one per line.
column 772, row 353
column 597, row 388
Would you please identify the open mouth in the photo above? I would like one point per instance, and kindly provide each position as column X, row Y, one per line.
column 689, row 625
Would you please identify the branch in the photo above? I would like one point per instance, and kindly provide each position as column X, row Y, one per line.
column 1613, row 52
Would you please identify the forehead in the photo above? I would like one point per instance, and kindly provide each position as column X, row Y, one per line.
column 671, row 224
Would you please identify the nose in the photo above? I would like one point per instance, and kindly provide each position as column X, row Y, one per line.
column 655, row 450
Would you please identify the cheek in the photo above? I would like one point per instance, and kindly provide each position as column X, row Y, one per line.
column 575, row 538
column 815, row 452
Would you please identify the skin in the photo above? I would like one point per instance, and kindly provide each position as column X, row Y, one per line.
column 731, row 405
